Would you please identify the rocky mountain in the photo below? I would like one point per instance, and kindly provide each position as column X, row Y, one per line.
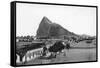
column 52, row 30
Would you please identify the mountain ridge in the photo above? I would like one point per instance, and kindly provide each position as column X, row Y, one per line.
column 49, row 29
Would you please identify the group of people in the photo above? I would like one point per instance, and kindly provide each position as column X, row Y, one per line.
column 48, row 52
column 55, row 49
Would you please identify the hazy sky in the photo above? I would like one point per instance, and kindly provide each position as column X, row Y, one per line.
column 80, row 20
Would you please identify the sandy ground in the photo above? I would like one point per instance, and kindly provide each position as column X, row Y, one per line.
column 71, row 55
column 87, row 52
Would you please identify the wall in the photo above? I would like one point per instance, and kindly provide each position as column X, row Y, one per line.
column 5, row 34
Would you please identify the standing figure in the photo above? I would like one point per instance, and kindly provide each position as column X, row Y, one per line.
column 44, row 51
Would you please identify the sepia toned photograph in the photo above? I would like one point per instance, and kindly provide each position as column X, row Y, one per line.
column 51, row 34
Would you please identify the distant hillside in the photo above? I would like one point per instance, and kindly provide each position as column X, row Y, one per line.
column 49, row 29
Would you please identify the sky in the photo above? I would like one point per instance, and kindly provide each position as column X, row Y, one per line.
column 80, row 20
